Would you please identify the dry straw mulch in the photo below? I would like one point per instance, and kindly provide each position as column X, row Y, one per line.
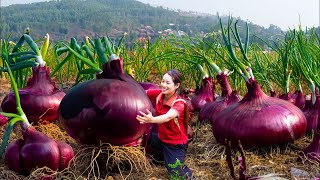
column 205, row 158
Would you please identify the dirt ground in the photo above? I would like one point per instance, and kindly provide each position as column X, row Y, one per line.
column 205, row 158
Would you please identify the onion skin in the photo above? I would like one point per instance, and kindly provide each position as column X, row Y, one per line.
column 190, row 133
column 37, row 150
column 312, row 151
column 12, row 155
column 148, row 85
column 300, row 99
column 151, row 127
column 224, row 84
column 312, row 114
column 114, row 70
column 66, row 154
column 104, row 110
column 259, row 120
column 273, row 93
column 185, row 94
column 297, row 98
column 209, row 111
column 40, row 98
column 3, row 120
column 203, row 95
column 287, row 97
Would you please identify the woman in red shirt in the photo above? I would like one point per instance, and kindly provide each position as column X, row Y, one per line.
column 172, row 130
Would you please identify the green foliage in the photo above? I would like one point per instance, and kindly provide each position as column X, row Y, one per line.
column 176, row 175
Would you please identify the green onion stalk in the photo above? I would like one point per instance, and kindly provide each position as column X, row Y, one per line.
column 19, row 117
column 239, row 122
column 207, row 51
column 21, row 59
column 261, row 65
column 280, row 71
column 44, row 151
column 80, row 59
column 13, row 58
column 90, row 57
column 243, row 68
column 147, row 58
column 307, row 61
column 40, row 97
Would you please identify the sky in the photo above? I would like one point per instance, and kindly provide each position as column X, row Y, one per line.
column 282, row 13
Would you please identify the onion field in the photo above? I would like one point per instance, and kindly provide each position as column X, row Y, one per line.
column 68, row 108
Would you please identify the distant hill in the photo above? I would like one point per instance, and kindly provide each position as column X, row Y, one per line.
column 10, row 2
column 64, row 19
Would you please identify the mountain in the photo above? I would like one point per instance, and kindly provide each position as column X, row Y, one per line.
column 64, row 19
column 10, row 2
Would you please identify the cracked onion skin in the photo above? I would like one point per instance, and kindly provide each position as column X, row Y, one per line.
column 104, row 110
column 40, row 98
column 259, row 120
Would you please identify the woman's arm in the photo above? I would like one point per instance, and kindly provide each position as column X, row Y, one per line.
column 148, row 118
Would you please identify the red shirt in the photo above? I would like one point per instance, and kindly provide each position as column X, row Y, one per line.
column 172, row 132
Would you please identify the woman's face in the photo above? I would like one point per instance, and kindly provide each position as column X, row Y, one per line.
column 167, row 85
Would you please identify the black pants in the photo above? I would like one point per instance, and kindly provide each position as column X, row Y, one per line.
column 172, row 153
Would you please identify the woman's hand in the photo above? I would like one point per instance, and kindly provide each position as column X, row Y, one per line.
column 145, row 118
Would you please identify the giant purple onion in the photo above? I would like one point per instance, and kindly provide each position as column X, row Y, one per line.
column 37, row 150
column 228, row 97
column 206, row 93
column 104, row 110
column 40, row 98
column 259, row 120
